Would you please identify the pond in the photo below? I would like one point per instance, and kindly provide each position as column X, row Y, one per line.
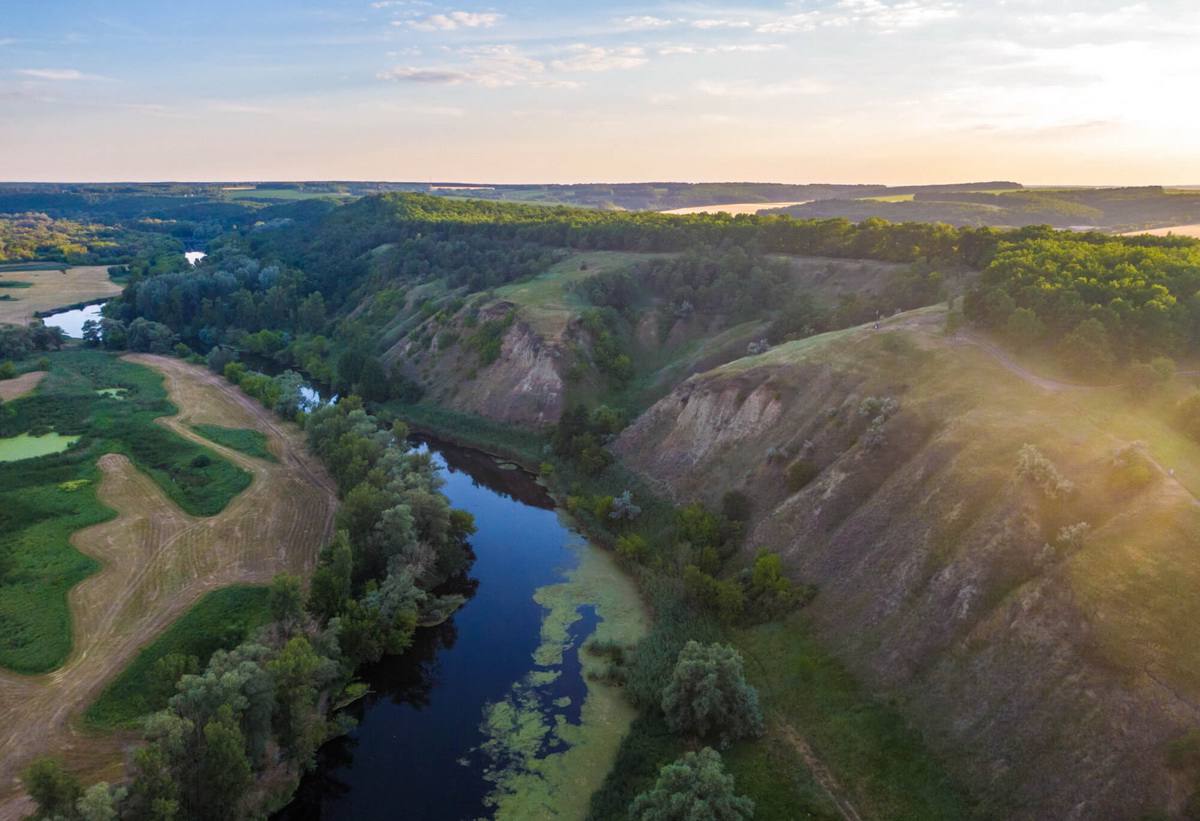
column 15, row 448
column 194, row 257
column 491, row 713
column 71, row 321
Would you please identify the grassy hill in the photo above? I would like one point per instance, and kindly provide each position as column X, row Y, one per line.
column 1020, row 643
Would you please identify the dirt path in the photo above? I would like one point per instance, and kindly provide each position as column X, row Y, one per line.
column 820, row 773
column 17, row 387
column 157, row 562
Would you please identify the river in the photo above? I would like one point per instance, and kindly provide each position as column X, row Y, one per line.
column 490, row 712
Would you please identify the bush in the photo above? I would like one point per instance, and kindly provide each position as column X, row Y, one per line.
column 694, row 787
column 708, row 696
column 1034, row 466
column 736, row 506
column 800, row 473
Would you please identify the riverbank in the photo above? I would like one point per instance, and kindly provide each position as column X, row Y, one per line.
column 832, row 749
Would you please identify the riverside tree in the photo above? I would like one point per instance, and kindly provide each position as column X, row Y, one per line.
column 692, row 788
column 708, row 695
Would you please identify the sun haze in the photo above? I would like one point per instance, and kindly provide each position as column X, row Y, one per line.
column 881, row 91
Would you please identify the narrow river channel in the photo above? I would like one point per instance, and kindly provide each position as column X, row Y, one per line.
column 491, row 713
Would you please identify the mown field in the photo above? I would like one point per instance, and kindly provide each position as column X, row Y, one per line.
column 45, row 500
column 43, row 289
column 219, row 621
column 114, row 540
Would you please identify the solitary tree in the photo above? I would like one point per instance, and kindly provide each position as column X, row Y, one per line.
column 693, row 788
column 708, row 695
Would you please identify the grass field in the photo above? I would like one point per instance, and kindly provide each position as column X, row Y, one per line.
column 219, row 621
column 44, row 500
column 892, row 198
column 281, row 194
column 52, row 288
column 32, row 266
column 143, row 561
column 881, row 763
column 545, row 302
column 243, row 440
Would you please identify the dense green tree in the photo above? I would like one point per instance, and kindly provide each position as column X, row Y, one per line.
column 286, row 601
column 1024, row 329
column 153, row 794
column 53, row 789
column 224, row 768
column 694, row 788
column 1087, row 349
column 331, row 582
column 708, row 695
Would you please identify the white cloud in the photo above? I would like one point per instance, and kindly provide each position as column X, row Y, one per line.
column 877, row 14
column 56, row 74
column 452, row 21
column 725, row 48
column 645, row 21
column 761, row 91
column 499, row 66
column 596, row 58
column 720, row 23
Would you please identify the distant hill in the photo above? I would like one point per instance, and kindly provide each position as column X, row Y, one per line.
column 1113, row 209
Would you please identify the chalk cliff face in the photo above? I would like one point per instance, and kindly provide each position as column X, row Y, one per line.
column 523, row 386
column 1052, row 672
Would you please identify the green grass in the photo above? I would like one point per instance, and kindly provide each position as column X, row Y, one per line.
column 244, row 440
column 46, row 499
column 14, row 283
column 783, row 789
column 219, row 621
column 867, row 745
column 546, row 303
column 33, row 266
column 472, row 431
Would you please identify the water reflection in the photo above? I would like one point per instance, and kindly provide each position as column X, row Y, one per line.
column 417, row 750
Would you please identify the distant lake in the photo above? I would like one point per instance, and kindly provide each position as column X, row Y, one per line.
column 72, row 321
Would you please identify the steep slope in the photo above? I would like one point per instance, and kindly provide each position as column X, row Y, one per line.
column 1053, row 665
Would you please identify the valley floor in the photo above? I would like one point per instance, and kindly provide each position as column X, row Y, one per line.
column 157, row 562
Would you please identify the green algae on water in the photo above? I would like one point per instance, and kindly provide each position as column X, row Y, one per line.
column 16, row 448
column 542, row 765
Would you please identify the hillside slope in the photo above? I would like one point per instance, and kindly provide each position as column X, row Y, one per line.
column 1053, row 665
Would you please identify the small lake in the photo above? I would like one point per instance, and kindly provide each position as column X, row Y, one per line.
column 72, row 321
column 16, row 448
column 435, row 737
column 194, row 257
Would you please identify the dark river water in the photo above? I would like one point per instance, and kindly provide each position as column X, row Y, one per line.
column 414, row 754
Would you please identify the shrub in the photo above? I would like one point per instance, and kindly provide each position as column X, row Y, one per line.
column 1187, row 416
column 1072, row 537
column 800, row 473
column 632, row 547
column 7, row 370
column 694, row 787
column 708, row 696
column 736, row 506
column 1034, row 466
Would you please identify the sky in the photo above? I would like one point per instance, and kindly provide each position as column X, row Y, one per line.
column 847, row 91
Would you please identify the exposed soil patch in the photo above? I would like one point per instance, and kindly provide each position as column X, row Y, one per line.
column 17, row 387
